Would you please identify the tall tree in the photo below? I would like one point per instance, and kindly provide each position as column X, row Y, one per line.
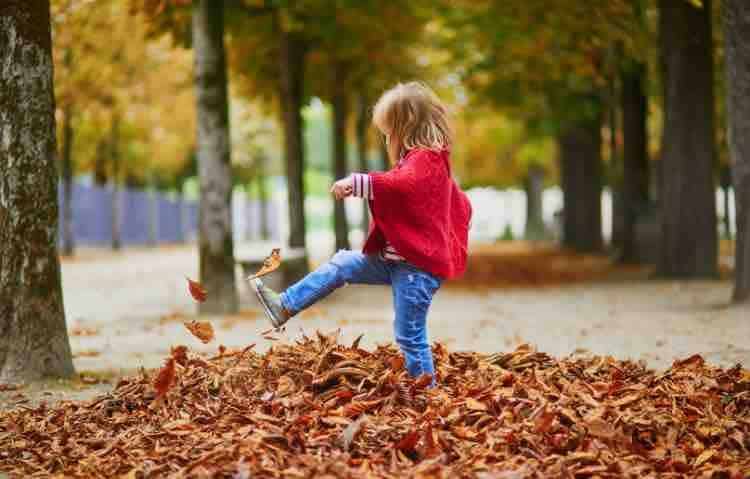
column 292, row 53
column 34, row 341
column 737, row 55
column 687, row 194
column 217, row 267
column 68, row 246
column 580, row 147
column 340, row 103
column 634, row 104
column 635, row 152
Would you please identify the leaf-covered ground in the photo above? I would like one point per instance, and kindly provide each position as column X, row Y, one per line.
column 316, row 408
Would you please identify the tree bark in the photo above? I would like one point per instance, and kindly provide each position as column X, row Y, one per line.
column 33, row 337
column 688, row 202
column 216, row 244
column 362, row 122
column 68, row 242
column 581, row 172
column 292, row 66
column 340, row 112
column 635, row 152
column 114, row 152
column 265, row 232
column 534, row 187
column 737, row 54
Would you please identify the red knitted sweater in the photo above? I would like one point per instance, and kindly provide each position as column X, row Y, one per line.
column 421, row 211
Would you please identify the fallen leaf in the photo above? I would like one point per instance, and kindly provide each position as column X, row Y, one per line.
column 408, row 442
column 704, row 457
column 349, row 434
column 543, row 422
column 165, row 378
column 475, row 405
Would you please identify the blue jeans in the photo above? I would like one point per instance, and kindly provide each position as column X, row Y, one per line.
column 412, row 294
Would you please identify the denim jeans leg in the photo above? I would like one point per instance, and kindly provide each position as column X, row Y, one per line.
column 344, row 267
column 413, row 290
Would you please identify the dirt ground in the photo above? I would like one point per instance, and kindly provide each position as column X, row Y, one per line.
column 125, row 311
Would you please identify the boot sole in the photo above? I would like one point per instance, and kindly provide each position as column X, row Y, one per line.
column 269, row 313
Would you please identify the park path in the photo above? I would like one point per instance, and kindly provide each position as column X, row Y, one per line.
column 125, row 311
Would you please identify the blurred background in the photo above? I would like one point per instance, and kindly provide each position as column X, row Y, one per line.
column 591, row 138
column 515, row 76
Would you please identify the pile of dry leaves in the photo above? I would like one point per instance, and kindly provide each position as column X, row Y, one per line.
column 320, row 409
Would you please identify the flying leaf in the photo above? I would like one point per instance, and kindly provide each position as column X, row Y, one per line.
column 197, row 291
column 201, row 330
column 270, row 264
column 165, row 378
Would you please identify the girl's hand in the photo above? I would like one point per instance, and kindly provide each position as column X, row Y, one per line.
column 342, row 188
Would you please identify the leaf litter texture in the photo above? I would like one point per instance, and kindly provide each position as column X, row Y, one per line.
column 317, row 408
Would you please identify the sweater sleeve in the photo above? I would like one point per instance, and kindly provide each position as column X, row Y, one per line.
column 417, row 172
column 361, row 187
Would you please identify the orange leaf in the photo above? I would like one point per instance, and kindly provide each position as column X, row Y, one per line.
column 270, row 264
column 543, row 422
column 165, row 378
column 408, row 442
column 179, row 354
column 201, row 330
column 197, row 291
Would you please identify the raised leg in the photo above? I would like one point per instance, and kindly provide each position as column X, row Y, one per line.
column 345, row 267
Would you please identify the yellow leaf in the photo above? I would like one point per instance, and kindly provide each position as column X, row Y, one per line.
column 475, row 405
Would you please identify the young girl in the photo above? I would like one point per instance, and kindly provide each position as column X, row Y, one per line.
column 419, row 229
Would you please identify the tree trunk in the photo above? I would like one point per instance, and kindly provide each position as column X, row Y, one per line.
column 737, row 53
column 688, row 201
column 292, row 68
column 615, row 185
column 635, row 153
column 534, row 188
column 114, row 152
column 100, row 162
column 265, row 232
column 726, row 184
column 216, row 244
column 292, row 59
column 33, row 337
column 581, row 173
column 340, row 113
column 362, row 122
column 68, row 242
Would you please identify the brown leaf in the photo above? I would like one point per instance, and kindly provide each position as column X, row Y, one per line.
column 270, row 264
column 165, row 378
column 197, row 291
column 201, row 330
column 598, row 427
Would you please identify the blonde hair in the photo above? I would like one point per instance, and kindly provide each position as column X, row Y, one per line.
column 412, row 116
